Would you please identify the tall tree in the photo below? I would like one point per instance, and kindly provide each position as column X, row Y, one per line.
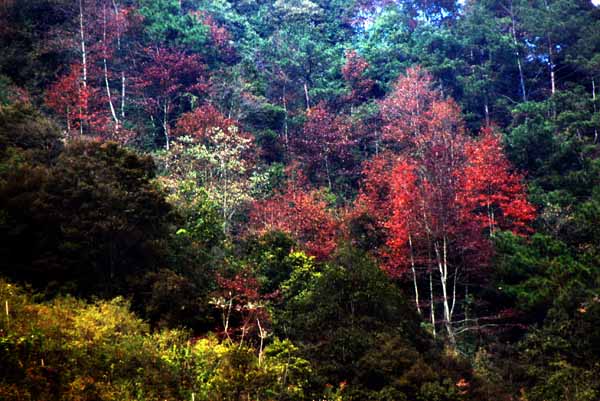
column 325, row 144
column 431, row 201
column 165, row 77
column 301, row 213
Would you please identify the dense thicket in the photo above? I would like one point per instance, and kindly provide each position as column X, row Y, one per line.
column 307, row 199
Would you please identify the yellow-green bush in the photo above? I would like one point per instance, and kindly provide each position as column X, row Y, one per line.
column 71, row 350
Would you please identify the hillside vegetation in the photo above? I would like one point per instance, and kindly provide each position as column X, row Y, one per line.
column 299, row 200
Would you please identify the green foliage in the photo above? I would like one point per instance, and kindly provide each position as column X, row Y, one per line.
column 168, row 23
column 86, row 224
column 541, row 274
column 386, row 45
column 67, row 349
column 355, row 326
column 26, row 136
column 272, row 259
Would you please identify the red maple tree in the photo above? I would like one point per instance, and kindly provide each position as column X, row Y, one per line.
column 202, row 122
column 354, row 72
column 300, row 212
column 243, row 308
column 325, row 145
column 166, row 76
column 439, row 194
column 492, row 193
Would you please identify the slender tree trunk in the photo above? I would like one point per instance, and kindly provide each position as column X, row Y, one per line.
column 84, row 69
column 454, row 280
column 414, row 274
column 116, row 10
column 517, row 52
column 81, row 96
column 262, row 334
column 327, row 171
column 306, row 96
column 122, row 95
column 106, row 83
column 166, row 125
column 83, row 50
column 432, row 304
column 68, row 121
column 595, row 108
column 285, row 119
column 228, row 316
column 551, row 66
column 487, row 112
column 442, row 261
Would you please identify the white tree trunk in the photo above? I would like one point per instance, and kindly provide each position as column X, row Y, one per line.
column 166, row 125
column 414, row 274
column 442, row 261
column 82, row 40
column 517, row 52
column 106, row 83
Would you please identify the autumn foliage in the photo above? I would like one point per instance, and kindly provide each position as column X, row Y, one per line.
column 300, row 212
column 354, row 72
column 493, row 193
column 202, row 122
column 438, row 193
column 325, row 144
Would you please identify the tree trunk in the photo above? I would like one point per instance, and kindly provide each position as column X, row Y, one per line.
column 551, row 67
column 442, row 261
column 166, row 125
column 414, row 273
column 122, row 95
column 432, row 304
column 83, row 51
column 327, row 171
column 106, row 83
column 595, row 108
column 517, row 52
column 487, row 112
column 285, row 119
column 306, row 96
column 550, row 57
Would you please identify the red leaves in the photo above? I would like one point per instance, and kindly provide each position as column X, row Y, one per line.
column 242, row 306
column 492, row 194
column 375, row 191
column 354, row 71
column 167, row 73
column 81, row 105
column 202, row 122
column 300, row 213
column 326, row 142
column 442, row 186
column 68, row 98
column 326, row 134
column 220, row 37
column 406, row 112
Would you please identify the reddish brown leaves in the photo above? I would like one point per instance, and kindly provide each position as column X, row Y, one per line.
column 325, row 145
column 439, row 186
column 167, row 73
column 492, row 194
column 301, row 213
column 83, row 106
column 354, row 71
column 202, row 122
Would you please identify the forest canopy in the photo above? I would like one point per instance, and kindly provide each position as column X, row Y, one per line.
column 300, row 200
